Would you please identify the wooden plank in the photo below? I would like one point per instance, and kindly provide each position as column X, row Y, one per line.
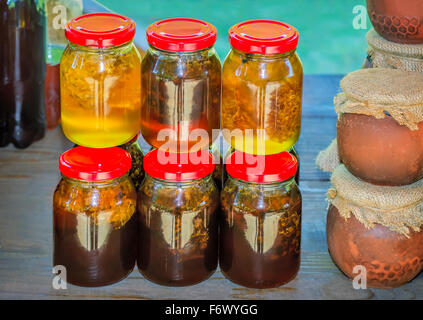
column 28, row 178
column 318, row 94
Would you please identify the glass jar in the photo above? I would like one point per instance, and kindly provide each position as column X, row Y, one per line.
column 262, row 88
column 100, row 76
column 219, row 173
column 260, row 230
column 294, row 152
column 58, row 12
column 137, row 171
column 94, row 220
column 181, row 85
column 22, row 70
column 178, row 232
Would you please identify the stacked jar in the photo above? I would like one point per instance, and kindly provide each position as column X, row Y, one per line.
column 100, row 81
column 94, row 216
column 100, row 85
column 181, row 85
column 180, row 112
column 262, row 88
column 95, row 219
column 173, row 98
column 260, row 231
column 177, row 210
column 261, row 119
column 374, row 220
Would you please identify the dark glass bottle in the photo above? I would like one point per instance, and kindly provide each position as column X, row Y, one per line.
column 22, row 69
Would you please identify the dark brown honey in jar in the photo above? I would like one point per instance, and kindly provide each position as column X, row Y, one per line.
column 178, row 228
column 180, row 85
column 94, row 216
column 260, row 230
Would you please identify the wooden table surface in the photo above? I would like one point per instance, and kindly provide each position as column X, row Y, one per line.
column 28, row 178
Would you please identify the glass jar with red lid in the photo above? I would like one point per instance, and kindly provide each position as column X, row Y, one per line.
column 178, row 232
column 260, row 230
column 181, row 85
column 262, row 87
column 100, row 81
column 94, row 216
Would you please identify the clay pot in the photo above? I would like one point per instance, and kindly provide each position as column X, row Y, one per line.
column 380, row 151
column 390, row 259
column 397, row 20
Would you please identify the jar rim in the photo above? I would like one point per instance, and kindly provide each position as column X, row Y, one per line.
column 261, row 168
column 181, row 34
column 100, row 29
column 178, row 166
column 263, row 36
column 91, row 164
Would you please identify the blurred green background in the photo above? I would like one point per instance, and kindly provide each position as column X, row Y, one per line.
column 328, row 42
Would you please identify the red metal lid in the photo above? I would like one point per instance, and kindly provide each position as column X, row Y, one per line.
column 181, row 34
column 263, row 37
column 261, row 168
column 178, row 166
column 100, row 30
column 93, row 164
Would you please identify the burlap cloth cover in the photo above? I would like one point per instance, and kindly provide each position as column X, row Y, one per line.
column 387, row 54
column 328, row 159
column 380, row 91
column 376, row 92
column 398, row 208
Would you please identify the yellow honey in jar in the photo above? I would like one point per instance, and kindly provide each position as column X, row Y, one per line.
column 262, row 88
column 101, row 84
